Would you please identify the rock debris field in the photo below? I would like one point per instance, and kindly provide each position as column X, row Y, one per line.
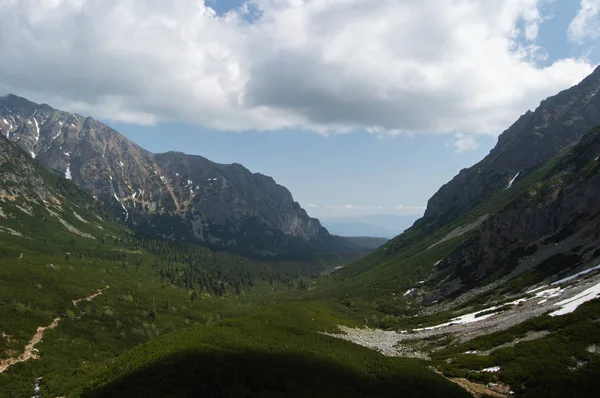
column 558, row 298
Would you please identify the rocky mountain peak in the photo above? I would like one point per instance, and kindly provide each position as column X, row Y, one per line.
column 558, row 123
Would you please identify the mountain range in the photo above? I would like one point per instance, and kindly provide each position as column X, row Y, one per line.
column 170, row 195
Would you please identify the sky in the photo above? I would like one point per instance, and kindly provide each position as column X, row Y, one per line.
column 357, row 107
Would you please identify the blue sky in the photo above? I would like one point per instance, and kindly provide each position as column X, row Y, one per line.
column 358, row 107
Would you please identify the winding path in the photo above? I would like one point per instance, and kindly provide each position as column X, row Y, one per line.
column 30, row 351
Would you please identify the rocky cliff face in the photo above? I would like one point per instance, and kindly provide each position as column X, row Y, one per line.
column 558, row 123
column 556, row 220
column 172, row 195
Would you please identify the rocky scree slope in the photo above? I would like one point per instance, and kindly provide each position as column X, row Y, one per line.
column 171, row 195
column 558, row 123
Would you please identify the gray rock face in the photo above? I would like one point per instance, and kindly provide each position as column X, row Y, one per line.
column 558, row 123
column 171, row 195
column 557, row 218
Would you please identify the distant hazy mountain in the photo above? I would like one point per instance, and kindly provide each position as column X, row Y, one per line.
column 375, row 225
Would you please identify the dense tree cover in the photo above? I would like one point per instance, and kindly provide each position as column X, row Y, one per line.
column 274, row 352
column 200, row 269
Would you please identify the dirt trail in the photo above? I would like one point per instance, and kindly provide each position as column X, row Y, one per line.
column 90, row 297
column 476, row 389
column 30, row 350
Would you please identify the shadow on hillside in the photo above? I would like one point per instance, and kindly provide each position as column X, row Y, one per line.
column 270, row 375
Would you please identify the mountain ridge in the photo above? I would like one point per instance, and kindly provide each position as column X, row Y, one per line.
column 556, row 124
column 171, row 195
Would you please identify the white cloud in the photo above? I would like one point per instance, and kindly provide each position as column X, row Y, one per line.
column 330, row 65
column 464, row 143
column 586, row 24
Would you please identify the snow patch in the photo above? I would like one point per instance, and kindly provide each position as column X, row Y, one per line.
column 162, row 178
column 111, row 179
column 512, row 180
column 68, row 172
column 37, row 130
column 549, row 293
column 493, row 369
column 177, row 174
column 536, row 289
column 577, row 275
column 190, row 182
column 124, row 209
column 409, row 291
column 67, row 153
column 121, row 163
column 569, row 305
column 32, row 154
column 472, row 317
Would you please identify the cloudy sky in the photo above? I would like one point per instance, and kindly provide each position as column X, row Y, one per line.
column 357, row 106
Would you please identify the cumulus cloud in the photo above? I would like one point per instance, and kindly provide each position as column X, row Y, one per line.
column 586, row 24
column 388, row 66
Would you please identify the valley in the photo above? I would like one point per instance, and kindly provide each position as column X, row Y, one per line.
column 141, row 274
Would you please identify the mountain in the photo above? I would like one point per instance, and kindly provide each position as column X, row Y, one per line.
column 374, row 225
column 551, row 227
column 171, row 195
column 526, row 205
column 558, row 123
column 35, row 203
